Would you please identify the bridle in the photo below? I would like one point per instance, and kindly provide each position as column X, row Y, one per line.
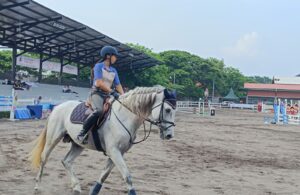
column 161, row 115
column 157, row 123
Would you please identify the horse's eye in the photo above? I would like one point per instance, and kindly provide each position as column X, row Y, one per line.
column 168, row 110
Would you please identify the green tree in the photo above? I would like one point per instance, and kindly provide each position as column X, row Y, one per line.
column 260, row 79
column 5, row 60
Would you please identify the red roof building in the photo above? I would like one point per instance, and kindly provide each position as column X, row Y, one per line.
column 267, row 92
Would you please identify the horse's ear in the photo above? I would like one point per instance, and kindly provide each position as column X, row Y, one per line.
column 170, row 94
column 166, row 93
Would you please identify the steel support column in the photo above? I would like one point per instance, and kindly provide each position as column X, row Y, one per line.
column 40, row 68
column 14, row 62
column 78, row 72
column 61, row 70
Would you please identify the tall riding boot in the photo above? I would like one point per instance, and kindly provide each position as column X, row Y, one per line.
column 88, row 123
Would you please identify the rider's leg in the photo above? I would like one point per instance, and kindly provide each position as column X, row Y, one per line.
column 97, row 105
column 88, row 123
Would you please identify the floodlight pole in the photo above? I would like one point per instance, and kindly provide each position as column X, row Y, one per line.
column 213, row 91
column 174, row 78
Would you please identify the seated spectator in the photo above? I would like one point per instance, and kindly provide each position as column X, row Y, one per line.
column 9, row 82
column 37, row 100
column 6, row 82
column 66, row 89
column 18, row 85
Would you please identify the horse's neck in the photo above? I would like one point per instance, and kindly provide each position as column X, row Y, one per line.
column 133, row 120
column 140, row 105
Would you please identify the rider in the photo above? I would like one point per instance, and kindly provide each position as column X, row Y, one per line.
column 104, row 77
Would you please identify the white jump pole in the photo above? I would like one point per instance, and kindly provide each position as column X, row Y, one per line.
column 199, row 105
column 13, row 106
column 278, row 111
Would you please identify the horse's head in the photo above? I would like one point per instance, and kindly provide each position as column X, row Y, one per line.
column 163, row 112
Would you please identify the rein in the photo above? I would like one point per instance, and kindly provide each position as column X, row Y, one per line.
column 156, row 123
column 131, row 141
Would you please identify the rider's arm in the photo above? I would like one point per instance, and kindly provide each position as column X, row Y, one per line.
column 117, row 83
column 119, row 89
column 99, row 83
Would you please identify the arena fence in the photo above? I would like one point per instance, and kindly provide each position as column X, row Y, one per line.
column 208, row 108
column 25, row 108
column 5, row 103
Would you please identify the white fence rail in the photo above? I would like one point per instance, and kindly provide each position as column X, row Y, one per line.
column 197, row 104
column 187, row 104
column 294, row 119
column 5, row 103
column 243, row 106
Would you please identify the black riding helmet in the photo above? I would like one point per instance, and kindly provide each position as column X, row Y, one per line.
column 108, row 50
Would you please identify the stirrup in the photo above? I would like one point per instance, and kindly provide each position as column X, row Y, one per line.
column 84, row 140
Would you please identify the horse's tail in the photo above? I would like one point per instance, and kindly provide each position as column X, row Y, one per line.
column 36, row 152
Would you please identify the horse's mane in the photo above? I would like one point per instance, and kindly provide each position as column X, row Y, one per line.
column 140, row 99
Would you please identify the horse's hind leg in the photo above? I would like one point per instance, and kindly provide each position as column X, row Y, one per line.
column 52, row 139
column 68, row 164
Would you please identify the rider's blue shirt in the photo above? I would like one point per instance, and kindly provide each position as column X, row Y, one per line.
column 108, row 74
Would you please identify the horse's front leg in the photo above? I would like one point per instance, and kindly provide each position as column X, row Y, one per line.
column 98, row 185
column 119, row 162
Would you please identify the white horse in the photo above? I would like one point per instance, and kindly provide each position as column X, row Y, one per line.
column 117, row 133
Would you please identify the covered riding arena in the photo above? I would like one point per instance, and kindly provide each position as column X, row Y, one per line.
column 230, row 153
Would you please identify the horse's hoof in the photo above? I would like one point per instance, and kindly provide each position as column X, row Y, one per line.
column 131, row 192
column 76, row 192
column 95, row 189
column 36, row 190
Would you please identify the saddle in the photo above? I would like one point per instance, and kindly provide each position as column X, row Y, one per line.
column 82, row 111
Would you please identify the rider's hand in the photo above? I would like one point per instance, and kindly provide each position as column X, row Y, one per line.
column 115, row 94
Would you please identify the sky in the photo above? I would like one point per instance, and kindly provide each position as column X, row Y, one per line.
column 258, row 37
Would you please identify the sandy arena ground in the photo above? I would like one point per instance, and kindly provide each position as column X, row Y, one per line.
column 231, row 153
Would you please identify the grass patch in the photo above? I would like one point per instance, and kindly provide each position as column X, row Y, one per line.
column 4, row 114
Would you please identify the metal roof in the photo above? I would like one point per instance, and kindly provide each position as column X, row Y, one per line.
column 272, row 87
column 286, row 80
column 32, row 27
